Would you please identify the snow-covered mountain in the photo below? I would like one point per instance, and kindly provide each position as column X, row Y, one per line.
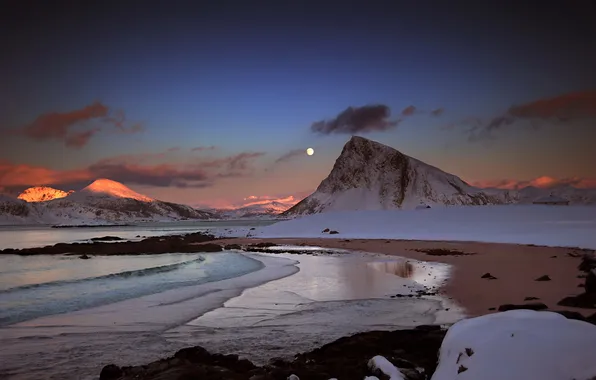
column 530, row 194
column 268, row 209
column 371, row 176
column 42, row 194
column 102, row 202
column 13, row 209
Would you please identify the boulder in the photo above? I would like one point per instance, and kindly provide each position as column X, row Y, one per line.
column 591, row 282
column 543, row 278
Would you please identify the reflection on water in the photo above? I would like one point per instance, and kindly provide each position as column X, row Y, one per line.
column 403, row 269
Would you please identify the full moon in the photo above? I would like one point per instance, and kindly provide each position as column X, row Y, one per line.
column 310, row 151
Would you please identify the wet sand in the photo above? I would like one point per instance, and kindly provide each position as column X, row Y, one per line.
column 516, row 268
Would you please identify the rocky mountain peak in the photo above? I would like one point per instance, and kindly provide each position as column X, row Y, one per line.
column 42, row 194
column 369, row 175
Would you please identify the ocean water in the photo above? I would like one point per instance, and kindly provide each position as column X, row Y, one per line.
column 37, row 286
column 38, row 236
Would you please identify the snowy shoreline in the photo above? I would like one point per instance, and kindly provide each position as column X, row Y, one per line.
column 555, row 226
column 167, row 321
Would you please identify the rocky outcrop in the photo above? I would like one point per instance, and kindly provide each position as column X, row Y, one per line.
column 42, row 194
column 190, row 243
column 587, row 299
column 414, row 352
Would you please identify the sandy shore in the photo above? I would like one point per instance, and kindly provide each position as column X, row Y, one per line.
column 516, row 268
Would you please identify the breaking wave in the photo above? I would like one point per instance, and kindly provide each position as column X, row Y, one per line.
column 125, row 274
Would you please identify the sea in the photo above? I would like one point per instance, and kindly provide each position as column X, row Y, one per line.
column 62, row 317
column 37, row 286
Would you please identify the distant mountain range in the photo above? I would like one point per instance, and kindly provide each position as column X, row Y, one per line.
column 371, row 176
column 262, row 209
column 102, row 202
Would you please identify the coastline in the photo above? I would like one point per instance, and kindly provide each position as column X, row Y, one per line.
column 515, row 266
column 316, row 300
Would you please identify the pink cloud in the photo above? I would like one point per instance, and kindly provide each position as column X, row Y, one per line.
column 152, row 169
column 203, row 148
column 63, row 125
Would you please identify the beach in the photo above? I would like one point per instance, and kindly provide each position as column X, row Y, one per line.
column 515, row 266
column 266, row 297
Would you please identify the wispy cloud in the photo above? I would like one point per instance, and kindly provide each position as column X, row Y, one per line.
column 437, row 112
column 203, row 148
column 141, row 169
column 290, row 155
column 408, row 111
column 92, row 119
column 564, row 108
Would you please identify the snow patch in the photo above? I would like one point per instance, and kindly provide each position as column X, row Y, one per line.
column 380, row 363
column 518, row 345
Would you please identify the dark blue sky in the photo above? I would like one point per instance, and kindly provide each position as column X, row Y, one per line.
column 252, row 76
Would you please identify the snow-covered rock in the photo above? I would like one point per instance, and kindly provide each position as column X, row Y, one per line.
column 518, row 345
column 371, row 176
column 568, row 226
column 381, row 364
column 42, row 194
column 14, row 211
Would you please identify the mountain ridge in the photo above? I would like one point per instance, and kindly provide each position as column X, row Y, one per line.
column 102, row 202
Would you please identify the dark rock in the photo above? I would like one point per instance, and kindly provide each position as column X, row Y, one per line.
column 428, row 327
column 209, row 247
column 252, row 229
column 325, row 230
column 488, row 276
column 492, row 308
column 543, row 278
column 591, row 282
column 346, row 358
column 588, row 262
column 110, row 372
column 443, row 252
column 149, row 246
column 583, row 301
column 527, row 306
column 553, row 257
column 531, row 298
column 228, row 247
column 107, row 238
column 333, row 232
column 84, row 257
column 265, row 244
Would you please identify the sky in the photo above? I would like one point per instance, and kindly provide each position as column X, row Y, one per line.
column 215, row 104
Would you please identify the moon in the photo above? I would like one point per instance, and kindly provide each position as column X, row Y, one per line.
column 310, row 151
